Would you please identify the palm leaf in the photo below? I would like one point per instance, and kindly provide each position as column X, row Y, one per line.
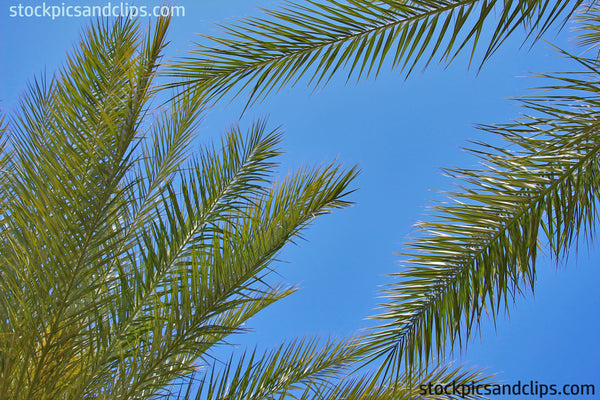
column 123, row 263
column 72, row 147
column 316, row 39
column 444, row 382
column 206, row 264
column 304, row 370
column 479, row 251
column 588, row 27
column 301, row 365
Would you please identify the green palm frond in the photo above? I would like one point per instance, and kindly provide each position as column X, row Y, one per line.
column 124, row 260
column 316, row 39
column 303, row 369
column 5, row 170
column 588, row 27
column 71, row 146
column 163, row 286
column 444, row 382
column 295, row 367
column 162, row 156
column 208, row 261
column 540, row 187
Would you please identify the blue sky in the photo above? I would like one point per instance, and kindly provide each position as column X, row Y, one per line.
column 400, row 132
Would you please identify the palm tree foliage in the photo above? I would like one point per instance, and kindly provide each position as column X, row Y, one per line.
column 123, row 261
column 539, row 188
column 317, row 38
column 272, row 375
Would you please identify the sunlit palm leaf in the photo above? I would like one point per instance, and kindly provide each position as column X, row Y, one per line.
column 315, row 39
column 206, row 263
column 123, row 263
column 479, row 251
column 443, row 382
column 71, row 149
column 301, row 365
column 304, row 370
column 588, row 27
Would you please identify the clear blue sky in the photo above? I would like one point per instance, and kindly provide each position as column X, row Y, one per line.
column 400, row 132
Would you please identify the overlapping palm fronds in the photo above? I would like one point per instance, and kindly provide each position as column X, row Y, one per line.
column 442, row 382
column 123, row 262
column 325, row 375
column 315, row 39
column 539, row 188
column 588, row 27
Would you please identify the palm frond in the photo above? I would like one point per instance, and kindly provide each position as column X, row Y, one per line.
column 164, row 153
column 169, row 260
column 304, row 370
column 315, row 39
column 5, row 172
column 123, row 263
column 299, row 366
column 72, row 145
column 199, row 276
column 444, row 382
column 210, row 274
column 540, row 187
column 588, row 27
